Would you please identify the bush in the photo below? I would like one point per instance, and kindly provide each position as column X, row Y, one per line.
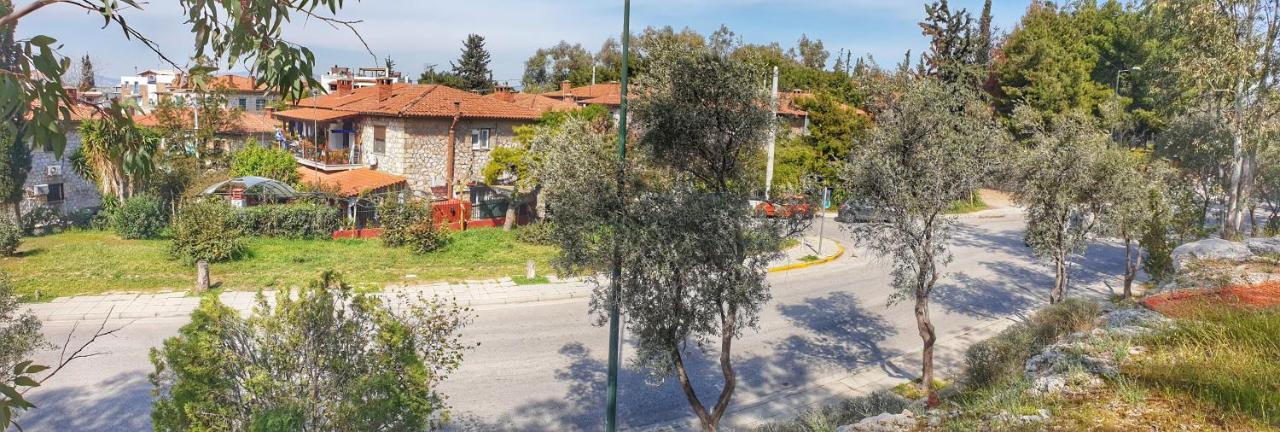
column 140, row 217
column 207, row 231
column 273, row 163
column 366, row 366
column 846, row 412
column 410, row 223
column 537, row 233
column 1001, row 358
column 10, row 237
column 296, row 221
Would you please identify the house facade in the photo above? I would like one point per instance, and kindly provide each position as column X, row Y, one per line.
column 146, row 89
column 52, row 183
column 437, row 138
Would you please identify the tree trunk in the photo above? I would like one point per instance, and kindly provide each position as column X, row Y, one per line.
column 711, row 420
column 17, row 213
column 1232, row 220
column 690, row 393
column 1130, row 267
column 1059, row 279
column 927, row 335
column 510, row 218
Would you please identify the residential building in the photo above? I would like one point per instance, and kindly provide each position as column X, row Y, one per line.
column 790, row 114
column 436, row 137
column 145, row 90
column 359, row 78
column 537, row 102
column 52, row 182
column 259, row 127
column 242, row 93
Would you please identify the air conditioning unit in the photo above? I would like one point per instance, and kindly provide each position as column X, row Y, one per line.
column 53, row 170
column 40, row 190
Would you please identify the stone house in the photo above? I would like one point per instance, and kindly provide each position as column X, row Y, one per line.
column 52, row 183
column 437, row 138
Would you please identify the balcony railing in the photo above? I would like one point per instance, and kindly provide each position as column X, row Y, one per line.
column 324, row 159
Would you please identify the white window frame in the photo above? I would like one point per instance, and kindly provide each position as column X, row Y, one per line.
column 482, row 139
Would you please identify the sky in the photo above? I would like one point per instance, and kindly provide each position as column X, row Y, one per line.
column 419, row 33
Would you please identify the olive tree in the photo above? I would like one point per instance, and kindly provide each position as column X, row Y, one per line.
column 933, row 143
column 694, row 260
column 1063, row 180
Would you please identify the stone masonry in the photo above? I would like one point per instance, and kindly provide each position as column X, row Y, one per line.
column 415, row 148
column 78, row 193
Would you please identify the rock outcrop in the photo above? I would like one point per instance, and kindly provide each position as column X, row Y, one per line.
column 884, row 422
column 1213, row 249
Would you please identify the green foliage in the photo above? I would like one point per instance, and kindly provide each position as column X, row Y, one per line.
column 507, row 162
column 140, row 217
column 15, row 164
column 1048, row 65
column 19, row 338
column 10, row 237
column 321, row 358
column 999, row 360
column 538, row 233
column 472, row 67
column 120, row 153
column 411, row 223
column 548, row 67
column 297, row 221
column 848, row 411
column 834, row 128
column 207, row 231
column 274, row 163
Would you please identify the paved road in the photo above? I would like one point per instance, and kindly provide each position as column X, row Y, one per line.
column 542, row 366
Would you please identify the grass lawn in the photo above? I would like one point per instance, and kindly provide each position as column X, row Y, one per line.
column 89, row 262
column 968, row 206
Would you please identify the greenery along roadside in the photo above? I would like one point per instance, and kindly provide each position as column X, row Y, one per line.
column 91, row 262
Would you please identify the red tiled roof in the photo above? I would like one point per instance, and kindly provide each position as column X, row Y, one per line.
column 787, row 104
column 80, row 111
column 538, row 102
column 249, row 123
column 420, row 100
column 583, row 93
column 313, row 114
column 350, row 183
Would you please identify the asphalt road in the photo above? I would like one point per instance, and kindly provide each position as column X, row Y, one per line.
column 542, row 366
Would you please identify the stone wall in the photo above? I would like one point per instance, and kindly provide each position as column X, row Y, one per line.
column 78, row 193
column 415, row 148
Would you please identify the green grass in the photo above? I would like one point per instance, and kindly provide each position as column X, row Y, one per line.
column 968, row 206
column 1226, row 357
column 89, row 262
column 521, row 280
column 809, row 258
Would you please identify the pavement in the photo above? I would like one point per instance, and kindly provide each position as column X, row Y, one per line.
column 828, row 333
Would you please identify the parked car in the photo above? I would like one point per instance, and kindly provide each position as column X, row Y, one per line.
column 853, row 212
column 788, row 207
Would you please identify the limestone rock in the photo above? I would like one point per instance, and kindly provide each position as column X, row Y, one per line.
column 885, row 422
column 1133, row 322
column 1210, row 249
column 1263, row 245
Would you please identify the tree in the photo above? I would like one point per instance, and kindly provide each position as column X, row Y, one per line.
column 274, row 163
column 323, row 358
column 246, row 34
column 448, row 79
column 473, row 66
column 1062, row 180
column 1228, row 56
column 932, row 145
column 986, row 36
column 953, row 45
column 1129, row 206
column 510, row 165
column 198, row 121
column 119, row 153
column 87, row 80
column 15, row 164
column 10, row 52
column 1047, row 65
column 810, row 53
column 548, row 67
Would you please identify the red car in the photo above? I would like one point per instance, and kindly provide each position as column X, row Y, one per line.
column 792, row 206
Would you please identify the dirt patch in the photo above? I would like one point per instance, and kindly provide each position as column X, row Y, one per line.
column 995, row 199
column 1181, row 303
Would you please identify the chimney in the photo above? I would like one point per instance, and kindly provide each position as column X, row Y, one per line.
column 344, row 86
column 72, row 93
column 565, row 86
column 384, row 89
column 504, row 93
column 270, row 112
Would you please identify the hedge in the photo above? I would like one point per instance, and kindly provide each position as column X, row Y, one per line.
column 296, row 221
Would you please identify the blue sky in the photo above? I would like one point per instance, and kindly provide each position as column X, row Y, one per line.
column 417, row 33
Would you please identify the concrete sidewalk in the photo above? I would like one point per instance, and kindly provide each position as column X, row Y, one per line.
column 467, row 293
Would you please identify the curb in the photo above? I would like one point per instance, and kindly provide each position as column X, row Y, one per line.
column 797, row 266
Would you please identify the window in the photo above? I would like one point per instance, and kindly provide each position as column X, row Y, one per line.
column 244, row 103
column 480, row 139
column 55, row 193
column 379, row 139
column 259, row 104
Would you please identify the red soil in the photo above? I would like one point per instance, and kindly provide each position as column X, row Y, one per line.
column 1177, row 303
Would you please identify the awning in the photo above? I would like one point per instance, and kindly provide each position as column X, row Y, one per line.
column 257, row 186
column 313, row 114
column 353, row 182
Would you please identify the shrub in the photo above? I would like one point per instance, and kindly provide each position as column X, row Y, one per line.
column 10, row 237
column 40, row 220
column 273, row 163
column 297, row 221
column 367, row 366
column 846, row 412
column 410, row 223
column 537, row 233
column 140, row 217
column 207, row 231
column 1001, row 358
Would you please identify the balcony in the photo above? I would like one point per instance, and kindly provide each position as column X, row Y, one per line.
column 322, row 158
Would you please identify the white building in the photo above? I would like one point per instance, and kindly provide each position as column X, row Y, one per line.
column 146, row 90
column 360, row 78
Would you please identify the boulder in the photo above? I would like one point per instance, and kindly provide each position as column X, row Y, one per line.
column 885, row 422
column 1210, row 249
column 1263, row 245
column 1133, row 322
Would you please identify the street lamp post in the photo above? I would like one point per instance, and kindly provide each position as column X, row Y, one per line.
column 615, row 287
column 1121, row 72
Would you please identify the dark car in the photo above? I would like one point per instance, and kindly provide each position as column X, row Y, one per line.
column 853, row 212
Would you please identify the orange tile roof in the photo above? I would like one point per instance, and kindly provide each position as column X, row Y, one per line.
column 787, row 105
column 583, row 93
column 350, row 183
column 249, row 123
column 313, row 114
column 420, row 100
column 538, row 102
column 80, row 111
column 234, row 83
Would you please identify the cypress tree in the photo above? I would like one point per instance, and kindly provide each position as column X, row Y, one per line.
column 473, row 66
column 15, row 156
column 87, row 81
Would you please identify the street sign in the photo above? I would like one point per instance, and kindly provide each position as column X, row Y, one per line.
column 826, row 198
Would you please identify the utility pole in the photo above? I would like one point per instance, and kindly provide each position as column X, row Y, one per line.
column 773, row 135
column 593, row 73
column 615, row 340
